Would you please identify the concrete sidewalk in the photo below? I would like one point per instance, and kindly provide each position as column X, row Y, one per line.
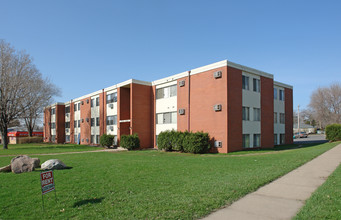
column 284, row 197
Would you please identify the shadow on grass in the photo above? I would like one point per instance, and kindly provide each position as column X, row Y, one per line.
column 278, row 148
column 88, row 201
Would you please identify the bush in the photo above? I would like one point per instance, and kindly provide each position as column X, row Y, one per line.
column 130, row 142
column 178, row 140
column 197, row 143
column 106, row 140
column 333, row 132
column 24, row 140
column 164, row 141
column 184, row 141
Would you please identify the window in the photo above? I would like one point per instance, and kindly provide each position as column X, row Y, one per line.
column 275, row 139
column 246, row 140
column 67, row 109
column 275, row 93
column 97, row 139
column 53, row 111
column 97, row 101
column 79, row 123
column 53, row 138
column 281, row 118
column 112, row 97
column 79, row 106
column 282, row 139
column 166, row 92
column 67, row 124
column 75, row 123
column 281, row 95
column 112, row 120
column 246, row 113
column 256, row 114
column 92, row 138
column 92, row 102
column 245, row 82
column 75, row 107
column 67, row 138
column 256, row 85
column 256, row 140
column 92, row 122
column 76, row 138
column 166, row 118
column 97, row 121
column 53, row 125
column 275, row 118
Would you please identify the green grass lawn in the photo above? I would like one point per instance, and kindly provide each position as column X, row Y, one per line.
column 144, row 184
column 325, row 203
column 43, row 148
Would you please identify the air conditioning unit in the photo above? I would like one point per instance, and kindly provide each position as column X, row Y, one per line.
column 111, row 128
column 182, row 83
column 217, row 107
column 87, row 119
column 82, row 102
column 111, row 106
column 217, row 74
column 218, row 144
column 181, row 111
column 82, row 120
column 87, row 101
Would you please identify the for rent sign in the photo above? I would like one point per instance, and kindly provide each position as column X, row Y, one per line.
column 47, row 182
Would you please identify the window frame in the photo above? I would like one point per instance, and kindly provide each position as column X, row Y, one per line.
column 244, row 111
column 245, row 82
column 256, row 85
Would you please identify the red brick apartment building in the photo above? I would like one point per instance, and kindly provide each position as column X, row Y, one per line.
column 240, row 107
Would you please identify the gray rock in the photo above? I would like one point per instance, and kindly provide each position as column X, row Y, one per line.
column 6, row 168
column 36, row 162
column 21, row 164
column 53, row 164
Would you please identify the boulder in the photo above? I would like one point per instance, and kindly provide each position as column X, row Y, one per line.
column 36, row 162
column 6, row 168
column 21, row 164
column 53, row 164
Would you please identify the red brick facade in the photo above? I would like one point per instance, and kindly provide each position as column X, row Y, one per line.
column 267, row 112
column 288, row 116
column 234, row 118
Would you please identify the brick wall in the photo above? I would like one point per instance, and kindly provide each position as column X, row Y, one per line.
column 60, row 123
column 234, row 117
column 140, row 117
column 85, row 120
column 205, row 92
column 288, row 116
column 267, row 112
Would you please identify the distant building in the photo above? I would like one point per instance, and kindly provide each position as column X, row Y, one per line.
column 305, row 128
column 240, row 108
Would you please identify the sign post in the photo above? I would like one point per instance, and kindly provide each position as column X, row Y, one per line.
column 47, row 184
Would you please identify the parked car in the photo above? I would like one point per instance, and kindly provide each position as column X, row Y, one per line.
column 300, row 135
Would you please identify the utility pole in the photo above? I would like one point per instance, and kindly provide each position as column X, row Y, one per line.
column 298, row 120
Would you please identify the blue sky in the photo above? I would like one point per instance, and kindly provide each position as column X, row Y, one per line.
column 84, row 46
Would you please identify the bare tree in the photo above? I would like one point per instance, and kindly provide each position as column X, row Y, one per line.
column 18, row 77
column 41, row 96
column 325, row 104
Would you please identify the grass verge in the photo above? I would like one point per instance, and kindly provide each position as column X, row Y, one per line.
column 144, row 184
column 43, row 148
column 325, row 203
